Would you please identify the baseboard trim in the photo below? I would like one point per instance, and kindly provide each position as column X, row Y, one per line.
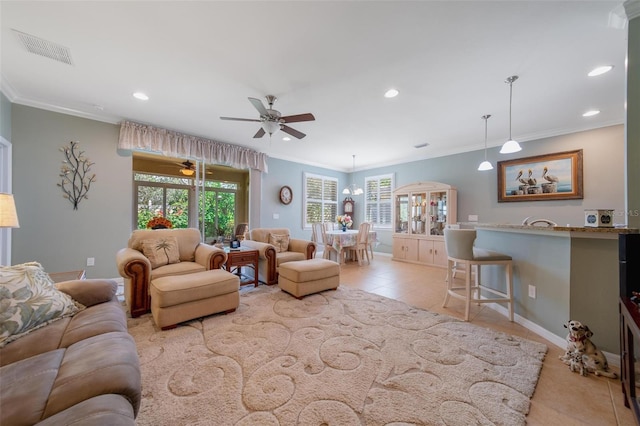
column 612, row 359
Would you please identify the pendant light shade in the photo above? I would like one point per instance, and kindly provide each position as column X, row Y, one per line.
column 510, row 146
column 353, row 189
column 485, row 165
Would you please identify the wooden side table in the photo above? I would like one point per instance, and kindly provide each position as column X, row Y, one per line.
column 244, row 256
column 67, row 276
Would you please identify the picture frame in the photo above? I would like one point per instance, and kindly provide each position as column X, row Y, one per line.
column 542, row 177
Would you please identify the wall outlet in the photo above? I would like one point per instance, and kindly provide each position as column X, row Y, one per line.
column 473, row 218
column 532, row 291
column 91, row 261
column 276, row 216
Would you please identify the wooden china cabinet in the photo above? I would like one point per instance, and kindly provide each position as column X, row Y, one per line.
column 421, row 212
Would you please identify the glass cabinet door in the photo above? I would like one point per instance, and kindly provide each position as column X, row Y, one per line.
column 437, row 212
column 418, row 213
column 402, row 214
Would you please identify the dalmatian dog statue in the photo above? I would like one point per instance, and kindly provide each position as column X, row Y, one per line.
column 582, row 355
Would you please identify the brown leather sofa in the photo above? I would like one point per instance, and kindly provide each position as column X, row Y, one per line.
column 82, row 369
column 271, row 257
column 137, row 271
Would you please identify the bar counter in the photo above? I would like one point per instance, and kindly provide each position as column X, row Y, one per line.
column 575, row 272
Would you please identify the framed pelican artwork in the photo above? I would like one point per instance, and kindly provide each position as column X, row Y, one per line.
column 544, row 177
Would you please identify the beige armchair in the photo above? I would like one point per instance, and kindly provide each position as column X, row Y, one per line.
column 152, row 254
column 275, row 246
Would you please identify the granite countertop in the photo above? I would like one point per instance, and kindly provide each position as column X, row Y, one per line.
column 584, row 229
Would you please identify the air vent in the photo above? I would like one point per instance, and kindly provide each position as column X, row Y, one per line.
column 422, row 145
column 45, row 48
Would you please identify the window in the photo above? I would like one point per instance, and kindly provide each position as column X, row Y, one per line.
column 175, row 199
column 162, row 196
column 320, row 199
column 377, row 200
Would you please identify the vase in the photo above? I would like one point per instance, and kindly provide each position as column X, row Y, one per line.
column 344, row 228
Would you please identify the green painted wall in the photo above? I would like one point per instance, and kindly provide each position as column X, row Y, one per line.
column 51, row 232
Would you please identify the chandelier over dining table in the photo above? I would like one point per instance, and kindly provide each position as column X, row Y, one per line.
column 353, row 189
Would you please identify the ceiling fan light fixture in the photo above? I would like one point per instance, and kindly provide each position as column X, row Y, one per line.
column 511, row 145
column 270, row 127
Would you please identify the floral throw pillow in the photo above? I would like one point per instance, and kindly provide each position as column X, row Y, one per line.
column 29, row 300
column 161, row 251
column 279, row 241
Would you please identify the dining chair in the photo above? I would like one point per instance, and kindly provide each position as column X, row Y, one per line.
column 371, row 242
column 329, row 248
column 361, row 249
column 462, row 253
column 316, row 235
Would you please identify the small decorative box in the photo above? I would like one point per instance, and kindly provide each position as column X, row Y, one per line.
column 598, row 218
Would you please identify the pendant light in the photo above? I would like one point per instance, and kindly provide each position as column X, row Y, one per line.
column 353, row 189
column 485, row 165
column 510, row 146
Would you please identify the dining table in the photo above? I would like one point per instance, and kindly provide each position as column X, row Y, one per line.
column 341, row 240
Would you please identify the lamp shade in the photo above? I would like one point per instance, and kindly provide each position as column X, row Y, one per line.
column 510, row 146
column 8, row 215
column 485, row 165
column 271, row 127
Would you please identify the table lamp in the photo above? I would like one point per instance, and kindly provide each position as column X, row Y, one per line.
column 8, row 215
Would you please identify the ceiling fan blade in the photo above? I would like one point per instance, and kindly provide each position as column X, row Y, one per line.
column 260, row 133
column 257, row 103
column 239, row 119
column 292, row 132
column 298, row 117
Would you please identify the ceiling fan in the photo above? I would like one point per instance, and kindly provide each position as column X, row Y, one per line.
column 272, row 120
column 188, row 168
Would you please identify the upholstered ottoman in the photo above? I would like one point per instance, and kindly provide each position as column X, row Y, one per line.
column 180, row 298
column 308, row 276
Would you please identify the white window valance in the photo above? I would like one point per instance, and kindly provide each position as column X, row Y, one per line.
column 142, row 137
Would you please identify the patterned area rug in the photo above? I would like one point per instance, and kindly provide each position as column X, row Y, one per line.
column 344, row 357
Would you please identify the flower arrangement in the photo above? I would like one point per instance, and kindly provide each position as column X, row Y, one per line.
column 344, row 220
column 159, row 222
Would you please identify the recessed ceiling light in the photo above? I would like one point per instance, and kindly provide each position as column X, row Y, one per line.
column 141, row 96
column 591, row 113
column 391, row 93
column 286, row 138
column 600, row 70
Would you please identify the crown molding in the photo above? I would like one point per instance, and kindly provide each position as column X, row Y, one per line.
column 632, row 9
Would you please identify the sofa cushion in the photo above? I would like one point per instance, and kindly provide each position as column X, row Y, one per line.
column 26, row 385
column 188, row 240
column 289, row 256
column 161, row 251
column 30, row 300
column 181, row 268
column 109, row 409
column 99, row 319
column 89, row 292
column 100, row 365
column 279, row 241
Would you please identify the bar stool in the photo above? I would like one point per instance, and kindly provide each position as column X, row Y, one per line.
column 459, row 244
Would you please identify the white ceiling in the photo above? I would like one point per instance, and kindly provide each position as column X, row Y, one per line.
column 198, row 61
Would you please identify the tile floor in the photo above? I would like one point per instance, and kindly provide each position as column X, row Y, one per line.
column 561, row 397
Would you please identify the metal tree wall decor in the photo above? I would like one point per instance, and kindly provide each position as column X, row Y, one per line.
column 75, row 179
